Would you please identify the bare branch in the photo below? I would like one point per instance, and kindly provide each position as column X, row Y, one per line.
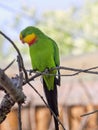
column 32, row 78
column 89, row 113
column 5, row 107
column 9, row 65
column 17, row 50
column 19, row 60
column 11, row 42
column 7, row 101
column 47, row 106
column 19, row 117
column 16, row 94
column 77, row 71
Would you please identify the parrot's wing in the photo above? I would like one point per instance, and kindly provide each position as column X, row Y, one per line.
column 56, row 53
column 57, row 61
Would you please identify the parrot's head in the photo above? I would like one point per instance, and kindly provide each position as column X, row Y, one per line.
column 30, row 35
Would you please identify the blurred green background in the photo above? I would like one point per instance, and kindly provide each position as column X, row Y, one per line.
column 73, row 24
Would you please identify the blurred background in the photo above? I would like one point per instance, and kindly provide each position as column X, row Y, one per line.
column 73, row 24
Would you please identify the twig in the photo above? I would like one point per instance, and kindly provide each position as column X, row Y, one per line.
column 17, row 50
column 89, row 113
column 78, row 71
column 32, row 78
column 74, row 69
column 19, row 116
column 9, row 65
column 37, row 74
column 47, row 106
column 10, row 42
column 19, row 60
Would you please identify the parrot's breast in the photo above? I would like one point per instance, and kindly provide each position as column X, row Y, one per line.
column 42, row 57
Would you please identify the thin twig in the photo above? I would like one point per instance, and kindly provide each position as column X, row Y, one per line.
column 32, row 78
column 47, row 106
column 9, row 65
column 37, row 74
column 78, row 71
column 17, row 50
column 20, row 84
column 89, row 113
column 19, row 116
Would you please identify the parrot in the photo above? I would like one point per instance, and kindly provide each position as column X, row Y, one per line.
column 44, row 54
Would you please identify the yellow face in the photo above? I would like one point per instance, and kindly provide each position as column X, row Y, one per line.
column 28, row 39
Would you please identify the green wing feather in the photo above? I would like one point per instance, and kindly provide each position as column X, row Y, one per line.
column 56, row 53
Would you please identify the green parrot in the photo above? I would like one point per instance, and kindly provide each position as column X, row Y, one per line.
column 44, row 54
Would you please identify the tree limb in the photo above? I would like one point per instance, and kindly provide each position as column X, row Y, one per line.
column 16, row 94
column 5, row 107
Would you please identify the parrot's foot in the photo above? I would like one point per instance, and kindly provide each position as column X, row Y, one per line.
column 32, row 71
column 47, row 71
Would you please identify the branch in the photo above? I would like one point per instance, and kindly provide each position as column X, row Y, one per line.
column 19, row 60
column 16, row 94
column 47, row 105
column 9, row 65
column 5, row 107
column 89, row 113
column 7, row 102
column 77, row 71
column 18, row 52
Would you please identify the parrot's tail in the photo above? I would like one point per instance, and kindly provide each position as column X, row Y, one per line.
column 51, row 97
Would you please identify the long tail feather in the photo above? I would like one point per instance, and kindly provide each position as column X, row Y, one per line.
column 51, row 97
